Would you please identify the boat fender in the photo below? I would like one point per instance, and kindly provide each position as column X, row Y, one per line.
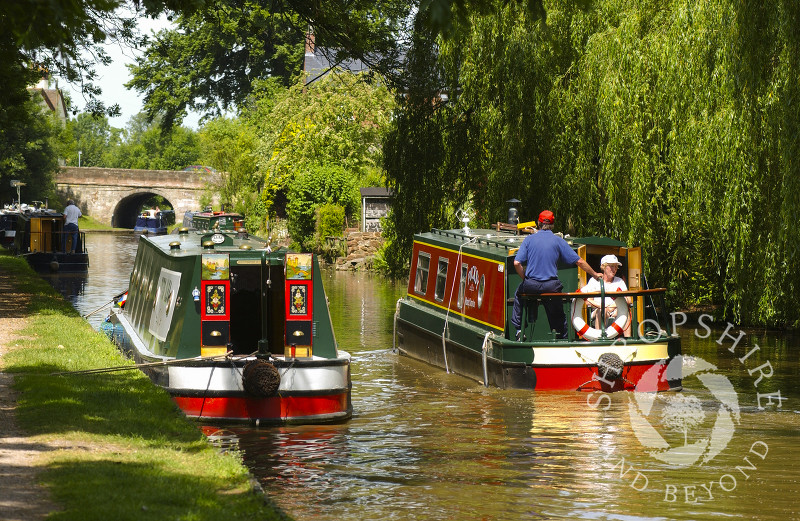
column 610, row 366
column 591, row 333
column 54, row 264
column 261, row 378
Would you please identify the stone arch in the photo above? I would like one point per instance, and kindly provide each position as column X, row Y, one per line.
column 127, row 208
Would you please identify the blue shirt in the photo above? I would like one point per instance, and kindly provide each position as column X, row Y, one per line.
column 541, row 252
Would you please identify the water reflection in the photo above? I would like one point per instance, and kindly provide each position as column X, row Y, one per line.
column 423, row 444
column 110, row 263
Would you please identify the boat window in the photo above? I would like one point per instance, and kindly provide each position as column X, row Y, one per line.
column 461, row 285
column 441, row 279
column 481, row 287
column 421, row 280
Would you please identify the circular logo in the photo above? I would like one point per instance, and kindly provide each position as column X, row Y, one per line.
column 218, row 238
column 676, row 427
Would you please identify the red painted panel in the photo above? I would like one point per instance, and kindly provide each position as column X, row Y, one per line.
column 215, row 299
column 491, row 309
column 570, row 378
column 274, row 408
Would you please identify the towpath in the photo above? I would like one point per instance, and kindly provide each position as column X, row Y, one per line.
column 21, row 498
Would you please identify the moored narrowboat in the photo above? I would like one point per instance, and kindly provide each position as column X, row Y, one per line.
column 8, row 225
column 39, row 236
column 457, row 316
column 234, row 331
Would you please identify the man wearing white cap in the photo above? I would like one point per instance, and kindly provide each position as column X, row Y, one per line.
column 609, row 265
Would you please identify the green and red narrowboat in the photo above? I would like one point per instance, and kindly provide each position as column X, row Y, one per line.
column 460, row 298
column 234, row 331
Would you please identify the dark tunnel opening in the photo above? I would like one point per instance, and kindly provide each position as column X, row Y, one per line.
column 129, row 208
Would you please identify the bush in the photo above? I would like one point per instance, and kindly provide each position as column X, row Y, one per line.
column 318, row 185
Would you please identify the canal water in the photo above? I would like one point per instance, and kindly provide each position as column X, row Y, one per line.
column 426, row 445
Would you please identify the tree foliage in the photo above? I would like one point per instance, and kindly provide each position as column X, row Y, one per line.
column 145, row 146
column 27, row 140
column 215, row 57
column 93, row 137
column 229, row 144
column 209, row 62
column 334, row 126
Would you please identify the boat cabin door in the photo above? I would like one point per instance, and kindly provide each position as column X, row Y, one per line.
column 581, row 274
column 299, row 287
column 215, row 298
column 635, row 279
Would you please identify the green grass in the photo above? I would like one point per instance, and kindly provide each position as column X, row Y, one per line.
column 89, row 223
column 139, row 457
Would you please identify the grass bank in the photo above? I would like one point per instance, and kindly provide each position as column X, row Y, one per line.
column 128, row 451
column 88, row 223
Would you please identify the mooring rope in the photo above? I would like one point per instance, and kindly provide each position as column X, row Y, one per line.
column 118, row 295
column 175, row 361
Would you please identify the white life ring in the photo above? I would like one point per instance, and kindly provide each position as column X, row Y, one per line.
column 591, row 333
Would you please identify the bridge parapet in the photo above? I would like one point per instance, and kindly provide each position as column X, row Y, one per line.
column 114, row 195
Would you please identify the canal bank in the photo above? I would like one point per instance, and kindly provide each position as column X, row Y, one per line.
column 108, row 446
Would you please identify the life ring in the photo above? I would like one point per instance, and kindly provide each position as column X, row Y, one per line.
column 591, row 333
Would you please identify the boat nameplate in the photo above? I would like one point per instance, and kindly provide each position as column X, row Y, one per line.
column 218, row 238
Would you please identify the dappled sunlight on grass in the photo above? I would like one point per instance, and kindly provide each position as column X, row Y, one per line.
column 130, row 485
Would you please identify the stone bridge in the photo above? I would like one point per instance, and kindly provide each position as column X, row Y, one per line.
column 114, row 196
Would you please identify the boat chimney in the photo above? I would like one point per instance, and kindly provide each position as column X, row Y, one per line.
column 513, row 214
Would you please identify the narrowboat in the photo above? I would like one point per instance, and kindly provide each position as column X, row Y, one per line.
column 40, row 238
column 234, row 331
column 214, row 220
column 8, row 226
column 457, row 316
column 154, row 221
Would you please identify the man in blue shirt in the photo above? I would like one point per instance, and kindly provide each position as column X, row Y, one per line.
column 537, row 265
column 71, row 215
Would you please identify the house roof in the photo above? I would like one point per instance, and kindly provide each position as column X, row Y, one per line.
column 317, row 64
column 375, row 191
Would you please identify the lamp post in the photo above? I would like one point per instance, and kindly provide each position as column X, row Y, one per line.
column 17, row 183
column 79, row 157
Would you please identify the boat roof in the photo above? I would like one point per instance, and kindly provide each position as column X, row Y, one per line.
column 190, row 243
column 494, row 243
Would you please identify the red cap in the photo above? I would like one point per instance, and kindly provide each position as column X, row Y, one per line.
column 547, row 217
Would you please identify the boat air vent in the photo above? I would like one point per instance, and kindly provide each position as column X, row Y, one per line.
column 175, row 245
column 183, row 230
column 245, row 247
column 209, row 245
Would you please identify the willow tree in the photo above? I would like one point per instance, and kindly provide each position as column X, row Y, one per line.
column 673, row 126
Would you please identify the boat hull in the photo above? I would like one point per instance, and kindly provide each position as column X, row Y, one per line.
column 58, row 261
column 560, row 365
column 311, row 390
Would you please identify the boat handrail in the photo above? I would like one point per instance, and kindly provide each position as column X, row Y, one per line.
column 493, row 240
column 580, row 294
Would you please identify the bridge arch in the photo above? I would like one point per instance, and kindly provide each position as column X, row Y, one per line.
column 127, row 209
column 107, row 193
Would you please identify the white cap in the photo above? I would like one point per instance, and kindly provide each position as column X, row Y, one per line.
column 610, row 259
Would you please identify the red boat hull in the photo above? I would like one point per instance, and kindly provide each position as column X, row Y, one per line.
column 276, row 409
